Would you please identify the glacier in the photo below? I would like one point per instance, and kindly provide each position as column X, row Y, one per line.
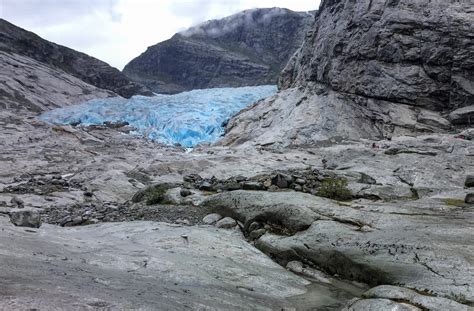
column 185, row 119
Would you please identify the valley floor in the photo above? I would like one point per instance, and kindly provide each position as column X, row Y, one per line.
column 407, row 233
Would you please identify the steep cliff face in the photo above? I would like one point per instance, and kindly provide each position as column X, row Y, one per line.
column 419, row 53
column 249, row 48
column 14, row 40
column 374, row 69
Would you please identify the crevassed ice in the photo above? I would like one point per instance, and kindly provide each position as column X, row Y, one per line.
column 187, row 118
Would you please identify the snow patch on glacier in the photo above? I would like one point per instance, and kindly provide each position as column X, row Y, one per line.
column 186, row 119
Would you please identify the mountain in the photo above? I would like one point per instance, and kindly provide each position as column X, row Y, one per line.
column 371, row 69
column 29, row 85
column 248, row 48
column 91, row 71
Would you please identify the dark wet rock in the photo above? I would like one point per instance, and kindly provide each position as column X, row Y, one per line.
column 253, row 185
column 469, row 181
column 256, row 234
column 281, row 180
column 88, row 194
column 76, row 221
column 205, row 186
column 26, row 218
column 185, row 192
column 17, row 202
column 248, row 48
column 192, row 178
column 469, row 198
column 230, row 186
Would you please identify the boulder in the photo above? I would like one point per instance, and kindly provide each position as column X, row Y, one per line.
column 211, row 219
column 17, row 202
column 469, row 198
column 26, row 218
column 226, row 223
column 469, row 181
column 462, row 116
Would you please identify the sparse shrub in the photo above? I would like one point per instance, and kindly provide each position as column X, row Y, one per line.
column 335, row 188
column 156, row 196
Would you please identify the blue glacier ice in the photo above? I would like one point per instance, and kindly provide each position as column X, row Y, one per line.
column 186, row 119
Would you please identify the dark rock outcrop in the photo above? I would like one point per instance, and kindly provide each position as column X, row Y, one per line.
column 15, row 40
column 371, row 69
column 419, row 53
column 248, row 48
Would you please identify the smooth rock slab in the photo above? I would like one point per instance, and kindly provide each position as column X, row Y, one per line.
column 425, row 245
column 140, row 265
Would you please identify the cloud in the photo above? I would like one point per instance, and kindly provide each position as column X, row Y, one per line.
column 116, row 31
column 54, row 12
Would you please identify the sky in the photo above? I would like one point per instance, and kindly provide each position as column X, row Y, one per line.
column 116, row 31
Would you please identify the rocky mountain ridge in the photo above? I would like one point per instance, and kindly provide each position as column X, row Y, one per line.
column 248, row 48
column 15, row 40
column 371, row 69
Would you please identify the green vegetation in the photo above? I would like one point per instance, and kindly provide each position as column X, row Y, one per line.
column 335, row 188
column 454, row 202
column 156, row 195
column 152, row 195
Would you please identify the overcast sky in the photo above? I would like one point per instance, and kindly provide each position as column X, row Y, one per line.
column 116, row 31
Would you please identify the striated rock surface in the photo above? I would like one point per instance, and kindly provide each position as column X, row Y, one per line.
column 248, row 48
column 138, row 265
column 371, row 69
column 15, row 40
column 29, row 85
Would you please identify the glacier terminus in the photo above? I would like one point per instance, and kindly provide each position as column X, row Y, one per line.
column 185, row 119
